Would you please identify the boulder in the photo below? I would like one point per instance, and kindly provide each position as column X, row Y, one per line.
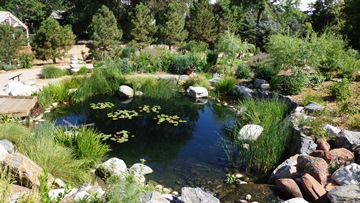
column 7, row 145
column 3, row 153
column 16, row 88
column 321, row 154
column 26, row 171
column 289, row 187
column 316, row 167
column 242, row 92
column 250, row 132
column 183, row 78
column 153, row 197
column 322, row 144
column 348, row 175
column 307, row 145
column 312, row 189
column 113, row 166
column 197, row 195
column 332, row 130
column 345, row 194
column 259, row 82
column 126, row 91
column 287, row 169
column 313, row 107
column 357, row 154
column 340, row 155
column 296, row 200
column 197, row 92
column 216, row 78
column 347, row 139
column 140, row 169
column 15, row 192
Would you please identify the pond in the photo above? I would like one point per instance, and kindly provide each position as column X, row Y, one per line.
column 187, row 151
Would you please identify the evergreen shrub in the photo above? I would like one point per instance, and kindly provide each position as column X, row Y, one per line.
column 294, row 83
column 243, row 71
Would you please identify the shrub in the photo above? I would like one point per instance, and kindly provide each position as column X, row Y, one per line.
column 155, row 88
column 125, row 188
column 126, row 66
column 142, row 62
column 52, row 72
column 310, row 97
column 128, row 52
column 25, row 60
column 266, row 70
column 198, row 80
column 354, row 122
column 8, row 67
column 243, row 71
column 341, row 91
column 180, row 63
column 350, row 67
column 195, row 46
column 83, row 71
column 294, row 83
column 226, row 85
column 211, row 57
column 315, row 79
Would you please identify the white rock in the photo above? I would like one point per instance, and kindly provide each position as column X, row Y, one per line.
column 141, row 169
column 55, row 193
column 348, row 175
column 81, row 196
column 126, row 91
column 296, row 200
column 3, row 153
column 113, row 166
column 197, row 92
column 250, row 132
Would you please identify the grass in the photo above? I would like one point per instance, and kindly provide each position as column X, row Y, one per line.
column 52, row 72
column 5, row 181
column 226, row 85
column 266, row 152
column 154, row 88
column 40, row 146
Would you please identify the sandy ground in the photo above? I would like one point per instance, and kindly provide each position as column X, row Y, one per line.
column 27, row 76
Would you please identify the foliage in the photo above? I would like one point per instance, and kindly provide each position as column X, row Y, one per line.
column 243, row 71
column 25, row 60
column 266, row 70
column 195, row 46
column 211, row 57
column 263, row 154
column 41, row 148
column 52, row 41
column 312, row 97
column 350, row 67
column 341, row 91
column 316, row 124
column 327, row 14
column 105, row 34
column 8, row 67
column 294, row 83
column 179, row 64
column 354, row 122
column 226, row 85
column 201, row 22
column 171, row 25
column 86, row 142
column 352, row 19
column 144, row 27
column 126, row 188
column 315, row 79
column 6, row 179
column 11, row 40
column 232, row 46
column 154, row 88
column 198, row 81
column 128, row 52
column 52, row 72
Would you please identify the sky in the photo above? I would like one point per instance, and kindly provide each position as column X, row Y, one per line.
column 304, row 3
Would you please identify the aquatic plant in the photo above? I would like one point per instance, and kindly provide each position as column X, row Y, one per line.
column 170, row 119
column 147, row 109
column 127, row 114
column 101, row 105
column 121, row 136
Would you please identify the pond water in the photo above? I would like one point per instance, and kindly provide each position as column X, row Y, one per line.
column 189, row 154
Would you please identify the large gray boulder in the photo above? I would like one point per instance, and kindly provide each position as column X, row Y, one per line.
column 216, row 78
column 347, row 139
column 313, row 107
column 140, row 169
column 307, row 145
column 126, row 91
column 26, row 171
column 242, row 92
column 197, row 92
column 7, row 145
column 348, row 175
column 287, row 169
column 113, row 166
column 345, row 194
column 261, row 84
column 250, row 132
column 197, row 195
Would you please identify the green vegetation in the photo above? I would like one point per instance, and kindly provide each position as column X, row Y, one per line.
column 52, row 72
column 11, row 41
column 341, row 91
column 52, row 41
column 226, row 85
column 263, row 154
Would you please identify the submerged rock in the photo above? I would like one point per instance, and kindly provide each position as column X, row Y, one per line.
column 197, row 195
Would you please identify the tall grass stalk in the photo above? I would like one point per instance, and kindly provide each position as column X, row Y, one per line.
column 263, row 154
column 6, row 178
column 40, row 147
column 155, row 88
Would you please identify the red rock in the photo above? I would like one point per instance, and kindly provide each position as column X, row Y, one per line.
column 341, row 155
column 331, row 185
column 322, row 145
column 319, row 153
column 289, row 187
column 313, row 190
column 316, row 167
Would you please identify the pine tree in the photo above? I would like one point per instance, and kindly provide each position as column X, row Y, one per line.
column 201, row 23
column 144, row 27
column 105, row 34
column 11, row 40
column 172, row 26
column 52, row 41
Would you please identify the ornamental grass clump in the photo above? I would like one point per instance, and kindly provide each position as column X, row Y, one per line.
column 52, row 72
column 263, row 154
